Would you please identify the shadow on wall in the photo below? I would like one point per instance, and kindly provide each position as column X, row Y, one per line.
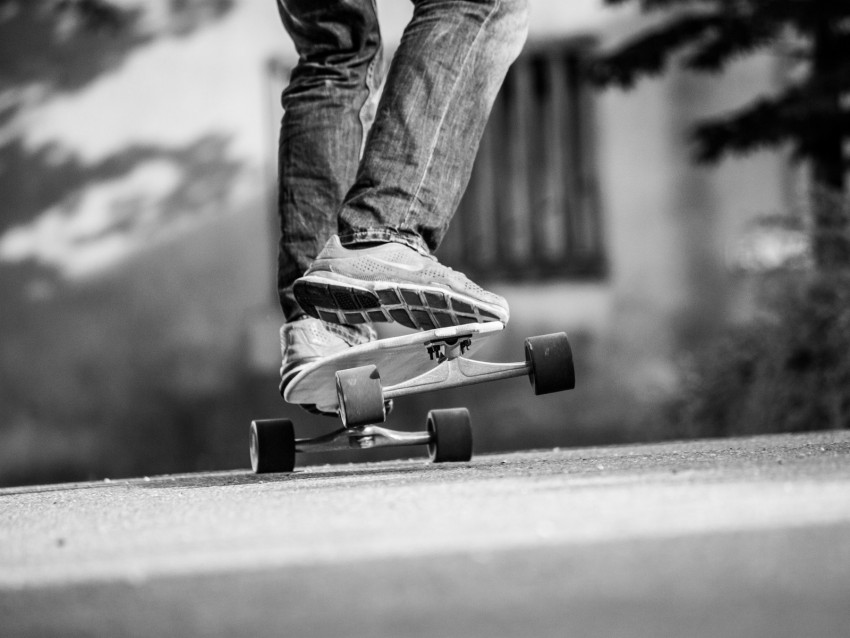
column 121, row 373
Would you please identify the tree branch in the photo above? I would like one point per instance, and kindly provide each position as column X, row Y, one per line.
column 648, row 54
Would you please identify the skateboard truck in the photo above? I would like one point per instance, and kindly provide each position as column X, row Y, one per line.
column 369, row 436
column 447, row 348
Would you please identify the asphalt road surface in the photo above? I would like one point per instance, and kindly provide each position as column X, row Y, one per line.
column 741, row 537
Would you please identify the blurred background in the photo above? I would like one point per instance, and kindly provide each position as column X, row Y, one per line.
column 138, row 315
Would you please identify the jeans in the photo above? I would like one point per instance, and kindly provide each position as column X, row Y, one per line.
column 394, row 171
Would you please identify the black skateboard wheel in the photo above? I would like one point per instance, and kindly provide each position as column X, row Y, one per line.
column 550, row 360
column 451, row 435
column 272, row 446
column 361, row 396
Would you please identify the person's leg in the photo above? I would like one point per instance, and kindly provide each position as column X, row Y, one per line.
column 440, row 89
column 328, row 107
column 418, row 157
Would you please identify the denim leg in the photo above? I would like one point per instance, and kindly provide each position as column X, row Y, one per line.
column 328, row 107
column 440, row 88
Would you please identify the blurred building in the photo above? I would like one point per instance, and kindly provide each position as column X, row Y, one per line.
column 585, row 211
column 147, row 326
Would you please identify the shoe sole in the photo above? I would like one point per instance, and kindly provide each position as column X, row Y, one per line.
column 417, row 307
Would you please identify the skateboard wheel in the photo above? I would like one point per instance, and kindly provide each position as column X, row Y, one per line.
column 361, row 397
column 451, row 435
column 550, row 360
column 272, row 446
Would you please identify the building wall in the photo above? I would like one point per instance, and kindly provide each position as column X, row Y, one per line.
column 672, row 228
column 672, row 232
column 178, row 327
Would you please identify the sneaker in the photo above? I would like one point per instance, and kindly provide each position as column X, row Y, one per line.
column 307, row 339
column 392, row 282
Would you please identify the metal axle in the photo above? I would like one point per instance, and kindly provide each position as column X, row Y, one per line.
column 368, row 436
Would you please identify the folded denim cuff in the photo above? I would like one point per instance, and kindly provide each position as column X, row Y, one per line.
column 383, row 236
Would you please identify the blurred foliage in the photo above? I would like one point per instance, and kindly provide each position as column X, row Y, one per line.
column 809, row 112
column 786, row 370
column 51, row 47
column 39, row 179
column 708, row 35
column 61, row 45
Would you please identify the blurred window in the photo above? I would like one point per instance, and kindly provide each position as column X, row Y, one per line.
column 531, row 210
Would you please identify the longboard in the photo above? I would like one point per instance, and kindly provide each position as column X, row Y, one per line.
column 358, row 383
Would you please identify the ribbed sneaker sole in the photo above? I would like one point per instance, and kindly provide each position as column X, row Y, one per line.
column 414, row 307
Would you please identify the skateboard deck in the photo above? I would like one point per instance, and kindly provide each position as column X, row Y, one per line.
column 398, row 359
